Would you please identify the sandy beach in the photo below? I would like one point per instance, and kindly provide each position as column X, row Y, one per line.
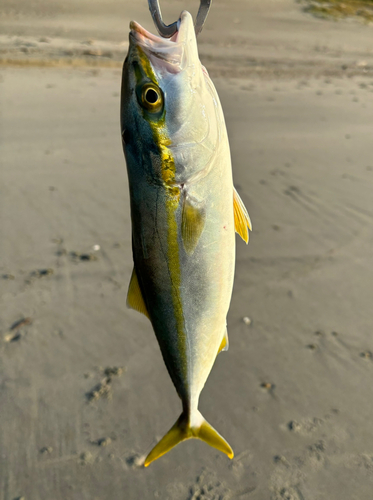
column 84, row 393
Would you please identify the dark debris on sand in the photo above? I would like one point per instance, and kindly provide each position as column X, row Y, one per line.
column 103, row 389
column 14, row 335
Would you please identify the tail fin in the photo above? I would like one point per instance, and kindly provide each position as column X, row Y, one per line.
column 184, row 429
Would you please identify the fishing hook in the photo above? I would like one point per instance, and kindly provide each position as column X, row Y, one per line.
column 171, row 29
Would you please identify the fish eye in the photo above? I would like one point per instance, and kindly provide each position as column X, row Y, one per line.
column 151, row 97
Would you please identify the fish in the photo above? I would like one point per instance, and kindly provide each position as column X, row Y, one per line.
column 184, row 214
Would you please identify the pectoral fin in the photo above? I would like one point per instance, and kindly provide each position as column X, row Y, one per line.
column 241, row 217
column 192, row 222
column 134, row 297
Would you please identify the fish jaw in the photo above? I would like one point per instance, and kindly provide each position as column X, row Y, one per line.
column 168, row 55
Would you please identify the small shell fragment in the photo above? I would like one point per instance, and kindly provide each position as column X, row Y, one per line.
column 104, row 441
column 366, row 354
column 46, row 450
column 266, row 385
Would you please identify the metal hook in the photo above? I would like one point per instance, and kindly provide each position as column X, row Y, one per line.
column 171, row 29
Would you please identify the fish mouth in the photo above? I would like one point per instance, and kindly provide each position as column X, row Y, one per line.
column 168, row 55
column 143, row 37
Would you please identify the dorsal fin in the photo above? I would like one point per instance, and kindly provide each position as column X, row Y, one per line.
column 192, row 222
column 134, row 296
column 241, row 217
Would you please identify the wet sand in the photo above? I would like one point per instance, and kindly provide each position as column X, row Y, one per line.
column 84, row 393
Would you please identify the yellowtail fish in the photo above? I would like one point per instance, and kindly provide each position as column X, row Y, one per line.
column 184, row 212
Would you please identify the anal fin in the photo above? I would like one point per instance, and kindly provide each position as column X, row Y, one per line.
column 241, row 217
column 224, row 346
column 135, row 299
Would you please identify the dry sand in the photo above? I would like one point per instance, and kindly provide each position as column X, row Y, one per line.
column 84, row 393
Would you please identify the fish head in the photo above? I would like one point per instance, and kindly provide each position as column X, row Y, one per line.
column 169, row 106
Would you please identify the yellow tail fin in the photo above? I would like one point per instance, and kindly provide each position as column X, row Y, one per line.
column 184, row 429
